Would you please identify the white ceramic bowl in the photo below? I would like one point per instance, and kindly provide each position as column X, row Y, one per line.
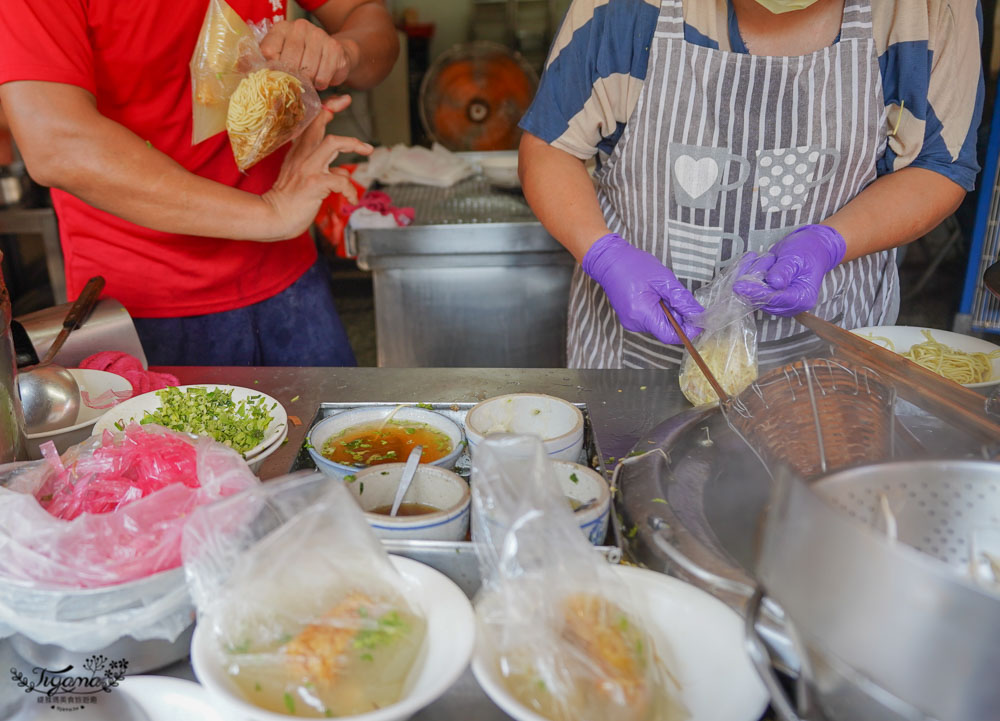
column 557, row 422
column 582, row 485
column 702, row 637
column 334, row 425
column 96, row 383
column 903, row 337
column 136, row 408
column 451, row 629
column 434, row 486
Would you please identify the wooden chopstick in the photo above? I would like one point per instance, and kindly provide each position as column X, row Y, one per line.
column 944, row 398
column 716, row 386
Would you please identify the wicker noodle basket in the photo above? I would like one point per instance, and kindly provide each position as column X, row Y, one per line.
column 816, row 416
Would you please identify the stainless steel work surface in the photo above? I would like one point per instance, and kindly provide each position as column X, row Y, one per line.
column 624, row 405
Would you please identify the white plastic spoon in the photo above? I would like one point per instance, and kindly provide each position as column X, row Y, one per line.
column 409, row 470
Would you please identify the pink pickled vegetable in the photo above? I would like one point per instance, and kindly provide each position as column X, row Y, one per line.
column 121, row 471
column 112, row 509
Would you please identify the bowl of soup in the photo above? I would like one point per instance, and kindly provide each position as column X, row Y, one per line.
column 435, row 508
column 340, row 445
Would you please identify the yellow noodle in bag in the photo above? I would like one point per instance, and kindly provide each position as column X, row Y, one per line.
column 731, row 355
column 728, row 342
column 264, row 111
column 225, row 44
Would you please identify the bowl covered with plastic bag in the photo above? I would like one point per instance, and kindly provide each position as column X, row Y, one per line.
column 563, row 636
column 92, row 545
column 302, row 613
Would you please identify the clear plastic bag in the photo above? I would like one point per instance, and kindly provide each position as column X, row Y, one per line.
column 85, row 579
column 728, row 341
column 262, row 104
column 306, row 609
column 567, row 639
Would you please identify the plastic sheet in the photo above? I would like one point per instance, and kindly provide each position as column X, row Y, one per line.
column 100, row 569
column 262, row 104
column 307, row 611
column 567, row 639
column 728, row 343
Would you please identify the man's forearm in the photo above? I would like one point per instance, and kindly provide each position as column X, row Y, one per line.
column 369, row 32
column 894, row 210
column 71, row 146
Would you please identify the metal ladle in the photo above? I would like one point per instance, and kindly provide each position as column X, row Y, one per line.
column 50, row 396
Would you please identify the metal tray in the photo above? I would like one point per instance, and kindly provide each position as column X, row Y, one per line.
column 457, row 559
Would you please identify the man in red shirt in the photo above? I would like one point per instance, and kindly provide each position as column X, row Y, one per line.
column 215, row 266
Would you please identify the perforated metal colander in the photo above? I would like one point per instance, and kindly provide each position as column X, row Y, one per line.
column 947, row 509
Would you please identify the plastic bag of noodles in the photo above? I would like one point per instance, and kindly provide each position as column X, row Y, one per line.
column 728, row 343
column 564, row 635
column 308, row 614
column 262, row 104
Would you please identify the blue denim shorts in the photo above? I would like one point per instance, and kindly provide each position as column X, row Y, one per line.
column 297, row 327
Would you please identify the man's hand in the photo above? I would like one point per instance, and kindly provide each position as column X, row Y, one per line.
column 306, row 48
column 306, row 177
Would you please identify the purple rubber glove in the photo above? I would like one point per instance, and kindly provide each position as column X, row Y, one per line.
column 635, row 283
column 793, row 270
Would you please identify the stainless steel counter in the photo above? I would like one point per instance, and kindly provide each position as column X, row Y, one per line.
column 474, row 281
column 624, row 406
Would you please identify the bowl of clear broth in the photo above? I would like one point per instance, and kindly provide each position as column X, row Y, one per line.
column 435, row 508
column 340, row 445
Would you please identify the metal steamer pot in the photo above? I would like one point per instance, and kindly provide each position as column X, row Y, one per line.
column 12, row 442
column 869, row 628
column 72, row 621
column 889, row 629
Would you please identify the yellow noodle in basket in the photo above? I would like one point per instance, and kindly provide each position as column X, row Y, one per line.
column 263, row 112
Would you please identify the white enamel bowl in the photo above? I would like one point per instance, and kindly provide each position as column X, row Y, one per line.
column 557, row 422
column 433, row 486
column 582, row 485
column 335, row 425
column 451, row 629
column 699, row 634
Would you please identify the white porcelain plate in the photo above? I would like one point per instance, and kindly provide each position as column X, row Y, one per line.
column 136, row 408
column 700, row 635
column 97, row 385
column 136, row 698
column 903, row 337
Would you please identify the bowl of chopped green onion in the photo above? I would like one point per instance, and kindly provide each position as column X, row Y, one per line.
column 246, row 420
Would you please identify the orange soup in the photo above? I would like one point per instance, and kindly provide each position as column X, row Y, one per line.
column 373, row 443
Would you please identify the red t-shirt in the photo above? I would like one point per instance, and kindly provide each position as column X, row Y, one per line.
column 133, row 56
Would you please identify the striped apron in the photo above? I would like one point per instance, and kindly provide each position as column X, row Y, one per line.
column 727, row 152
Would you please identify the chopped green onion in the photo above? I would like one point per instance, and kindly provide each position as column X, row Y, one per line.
column 241, row 425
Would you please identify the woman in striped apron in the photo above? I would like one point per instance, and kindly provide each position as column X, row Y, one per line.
column 774, row 150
